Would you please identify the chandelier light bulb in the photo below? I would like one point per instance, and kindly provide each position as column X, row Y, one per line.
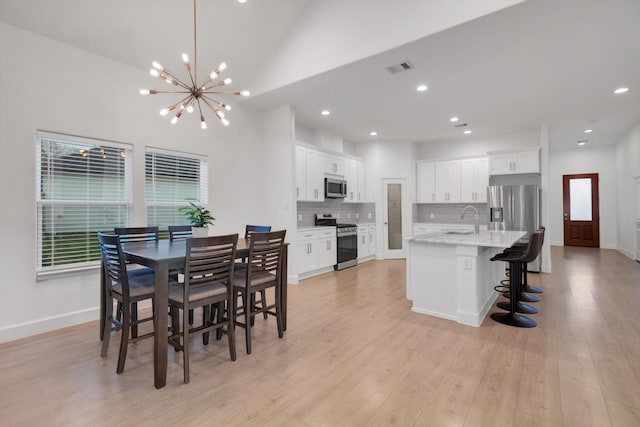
column 206, row 94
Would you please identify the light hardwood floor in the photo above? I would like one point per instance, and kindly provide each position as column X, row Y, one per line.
column 355, row 354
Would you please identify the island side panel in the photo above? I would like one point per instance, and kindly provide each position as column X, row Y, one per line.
column 477, row 277
column 433, row 275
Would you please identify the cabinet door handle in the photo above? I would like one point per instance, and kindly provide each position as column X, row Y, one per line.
column 297, row 192
column 433, row 197
column 328, row 244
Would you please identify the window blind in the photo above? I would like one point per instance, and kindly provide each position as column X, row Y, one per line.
column 83, row 186
column 171, row 178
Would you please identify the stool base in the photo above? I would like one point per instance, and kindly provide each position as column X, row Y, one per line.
column 514, row 320
column 523, row 297
column 520, row 307
column 531, row 289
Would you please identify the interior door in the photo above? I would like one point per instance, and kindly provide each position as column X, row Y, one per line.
column 581, row 213
column 395, row 206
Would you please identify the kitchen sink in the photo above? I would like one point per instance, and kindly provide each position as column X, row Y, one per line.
column 459, row 232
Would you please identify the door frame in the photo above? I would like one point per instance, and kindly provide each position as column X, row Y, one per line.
column 595, row 208
column 394, row 253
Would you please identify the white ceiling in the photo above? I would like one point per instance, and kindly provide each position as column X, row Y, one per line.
column 541, row 61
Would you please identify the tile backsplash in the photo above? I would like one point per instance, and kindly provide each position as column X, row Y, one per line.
column 449, row 213
column 348, row 212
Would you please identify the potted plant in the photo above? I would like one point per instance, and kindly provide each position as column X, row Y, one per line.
column 199, row 217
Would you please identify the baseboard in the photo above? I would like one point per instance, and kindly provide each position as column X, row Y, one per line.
column 608, row 246
column 625, row 252
column 293, row 279
column 434, row 313
column 48, row 324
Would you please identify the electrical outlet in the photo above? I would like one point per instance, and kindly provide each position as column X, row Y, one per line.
column 369, row 215
column 432, row 215
column 300, row 217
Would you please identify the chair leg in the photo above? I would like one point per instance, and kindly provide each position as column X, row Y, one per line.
column 206, row 320
column 134, row 320
column 174, row 312
column 219, row 318
column 191, row 317
column 124, row 338
column 263, row 302
column 108, row 315
column 252, row 307
column 185, row 344
column 231, row 329
column 247, row 322
column 278, row 313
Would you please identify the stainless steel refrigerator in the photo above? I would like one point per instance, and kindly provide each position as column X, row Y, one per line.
column 515, row 207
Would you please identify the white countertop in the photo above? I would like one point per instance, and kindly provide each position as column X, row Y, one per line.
column 493, row 239
column 316, row 227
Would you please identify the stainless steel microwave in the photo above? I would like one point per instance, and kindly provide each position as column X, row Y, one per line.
column 335, row 188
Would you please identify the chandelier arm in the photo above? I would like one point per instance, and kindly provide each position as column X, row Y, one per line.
column 215, row 101
column 214, row 109
column 154, row 92
column 169, row 74
column 229, row 92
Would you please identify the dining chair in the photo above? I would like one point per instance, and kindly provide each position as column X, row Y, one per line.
column 137, row 234
column 248, row 230
column 208, row 283
column 127, row 287
column 179, row 232
column 262, row 271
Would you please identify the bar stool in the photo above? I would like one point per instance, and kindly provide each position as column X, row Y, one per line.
column 526, row 289
column 516, row 261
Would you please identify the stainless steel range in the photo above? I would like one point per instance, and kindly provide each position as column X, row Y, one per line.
column 347, row 240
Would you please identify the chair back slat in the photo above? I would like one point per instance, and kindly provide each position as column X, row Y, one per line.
column 250, row 229
column 210, row 260
column 179, row 232
column 137, row 234
column 265, row 253
column 114, row 262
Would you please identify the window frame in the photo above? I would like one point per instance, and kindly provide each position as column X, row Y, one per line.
column 64, row 269
column 203, row 185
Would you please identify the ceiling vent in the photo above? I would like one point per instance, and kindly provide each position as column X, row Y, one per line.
column 403, row 66
column 461, row 125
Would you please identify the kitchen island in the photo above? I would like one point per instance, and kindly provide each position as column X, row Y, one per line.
column 450, row 275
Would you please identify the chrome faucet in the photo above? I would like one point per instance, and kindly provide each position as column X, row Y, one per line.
column 475, row 216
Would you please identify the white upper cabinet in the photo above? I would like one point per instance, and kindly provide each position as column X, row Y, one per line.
column 448, row 181
column 474, row 179
column 354, row 175
column 313, row 165
column 426, row 182
column 525, row 161
column 333, row 165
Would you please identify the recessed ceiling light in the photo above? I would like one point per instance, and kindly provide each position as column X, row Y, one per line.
column 584, row 141
column 242, row 1
column 373, row 133
column 621, row 90
column 467, row 131
column 588, row 130
column 422, row 88
column 454, row 119
column 325, row 112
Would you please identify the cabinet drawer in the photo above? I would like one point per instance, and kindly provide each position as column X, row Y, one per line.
column 307, row 235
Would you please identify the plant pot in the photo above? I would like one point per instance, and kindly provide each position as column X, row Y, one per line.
column 200, row 231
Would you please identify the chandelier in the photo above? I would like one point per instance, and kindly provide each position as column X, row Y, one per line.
column 195, row 95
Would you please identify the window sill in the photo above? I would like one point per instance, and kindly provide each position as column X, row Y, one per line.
column 67, row 272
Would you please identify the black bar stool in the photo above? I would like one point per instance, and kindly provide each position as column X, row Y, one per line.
column 516, row 262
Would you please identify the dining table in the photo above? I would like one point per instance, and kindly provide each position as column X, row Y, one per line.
column 163, row 256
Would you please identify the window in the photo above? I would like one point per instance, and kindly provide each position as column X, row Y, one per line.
column 172, row 178
column 83, row 186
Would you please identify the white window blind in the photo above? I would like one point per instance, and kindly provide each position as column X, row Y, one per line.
column 172, row 178
column 83, row 186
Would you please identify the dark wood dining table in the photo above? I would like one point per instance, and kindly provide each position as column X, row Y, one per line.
column 163, row 256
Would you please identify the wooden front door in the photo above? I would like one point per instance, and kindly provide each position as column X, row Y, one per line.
column 581, row 213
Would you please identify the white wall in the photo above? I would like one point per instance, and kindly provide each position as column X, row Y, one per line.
column 387, row 160
column 470, row 147
column 600, row 160
column 326, row 37
column 627, row 154
column 51, row 86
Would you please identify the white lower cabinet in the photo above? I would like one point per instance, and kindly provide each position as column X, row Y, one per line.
column 315, row 251
column 366, row 242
